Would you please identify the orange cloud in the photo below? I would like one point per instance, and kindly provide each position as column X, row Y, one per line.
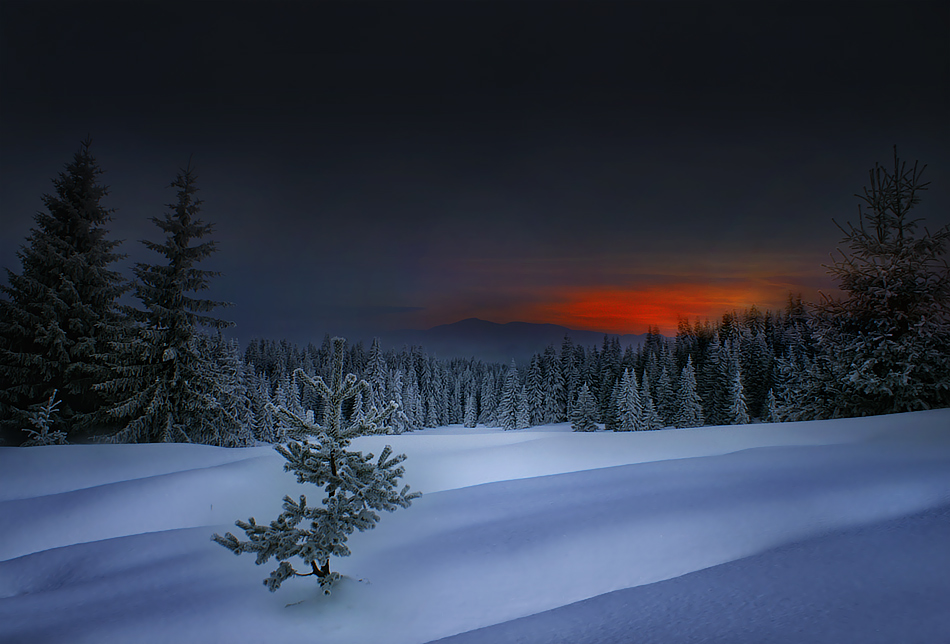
column 634, row 309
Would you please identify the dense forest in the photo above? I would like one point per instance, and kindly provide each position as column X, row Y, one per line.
column 78, row 366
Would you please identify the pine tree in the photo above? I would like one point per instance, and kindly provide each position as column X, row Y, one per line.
column 665, row 399
column 377, row 372
column 41, row 418
column 584, row 411
column 533, row 395
column 489, row 406
column 168, row 383
column 630, row 411
column 650, row 418
column 885, row 346
column 771, row 408
column 356, row 487
column 523, row 410
column 738, row 413
column 62, row 309
column 553, row 389
column 689, row 408
column 508, row 406
column 400, row 422
column 471, row 417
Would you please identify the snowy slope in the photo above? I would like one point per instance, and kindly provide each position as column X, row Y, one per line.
column 830, row 531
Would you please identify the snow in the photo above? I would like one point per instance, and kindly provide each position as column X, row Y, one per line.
column 826, row 531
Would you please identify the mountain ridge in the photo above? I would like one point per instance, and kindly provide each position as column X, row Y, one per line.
column 497, row 342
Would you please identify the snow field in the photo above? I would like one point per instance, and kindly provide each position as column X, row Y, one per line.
column 515, row 530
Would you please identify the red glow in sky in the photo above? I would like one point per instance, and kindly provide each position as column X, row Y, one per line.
column 636, row 308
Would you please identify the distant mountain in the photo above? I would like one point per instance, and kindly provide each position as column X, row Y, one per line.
column 494, row 342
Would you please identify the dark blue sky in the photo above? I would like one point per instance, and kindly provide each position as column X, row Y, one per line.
column 384, row 165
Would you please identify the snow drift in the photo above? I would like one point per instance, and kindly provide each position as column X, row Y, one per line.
column 826, row 531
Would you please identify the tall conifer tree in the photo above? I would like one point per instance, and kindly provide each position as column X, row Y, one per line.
column 166, row 383
column 61, row 310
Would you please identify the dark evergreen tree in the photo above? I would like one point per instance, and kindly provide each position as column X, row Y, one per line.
column 584, row 411
column 168, row 387
column 629, row 408
column 533, row 392
column 510, row 399
column 737, row 411
column 884, row 347
column 61, row 310
column 689, row 408
column 554, row 392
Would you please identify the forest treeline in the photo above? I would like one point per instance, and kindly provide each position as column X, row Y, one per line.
column 728, row 368
column 78, row 366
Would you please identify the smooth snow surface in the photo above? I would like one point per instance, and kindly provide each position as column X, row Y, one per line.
column 831, row 531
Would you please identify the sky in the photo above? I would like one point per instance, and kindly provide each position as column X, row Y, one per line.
column 372, row 166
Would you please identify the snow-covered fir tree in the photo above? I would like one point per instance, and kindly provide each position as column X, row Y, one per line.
column 884, row 347
column 771, row 408
column 356, row 486
column 665, row 398
column 169, row 386
column 649, row 418
column 471, row 413
column 41, row 417
column 533, row 392
column 689, row 408
column 489, row 401
column 584, row 411
column 60, row 311
column 400, row 422
column 553, row 406
column 629, row 408
column 508, row 405
column 523, row 412
column 738, row 413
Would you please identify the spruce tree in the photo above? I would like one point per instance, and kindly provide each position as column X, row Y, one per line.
column 650, row 418
column 884, row 347
column 489, row 401
column 523, row 411
column 470, row 417
column 60, row 311
column 689, row 408
column 510, row 399
column 41, row 417
column 738, row 413
column 629, row 407
column 584, row 411
column 169, row 385
column 771, row 408
column 665, row 399
column 356, row 487
column 553, row 389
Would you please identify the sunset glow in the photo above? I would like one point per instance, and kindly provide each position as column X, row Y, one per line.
column 633, row 309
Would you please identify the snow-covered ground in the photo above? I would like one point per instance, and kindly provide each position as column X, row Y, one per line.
column 833, row 531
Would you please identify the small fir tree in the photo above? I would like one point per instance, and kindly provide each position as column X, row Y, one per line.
column 584, row 411
column 41, row 417
column 356, row 487
column 738, row 413
column 689, row 408
column 523, row 413
column 771, row 408
column 471, row 417
column 508, row 406
column 650, row 419
column 631, row 412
